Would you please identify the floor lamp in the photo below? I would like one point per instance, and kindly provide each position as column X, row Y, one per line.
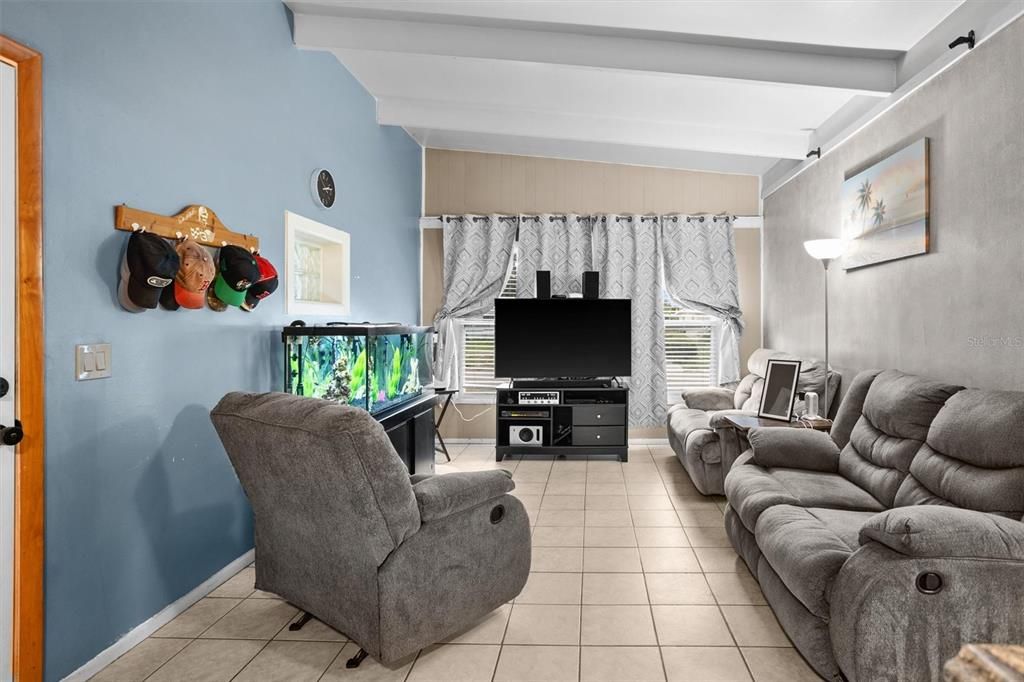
column 825, row 250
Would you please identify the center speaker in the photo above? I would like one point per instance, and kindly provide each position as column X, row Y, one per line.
column 544, row 284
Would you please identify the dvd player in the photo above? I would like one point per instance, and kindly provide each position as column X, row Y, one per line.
column 525, row 414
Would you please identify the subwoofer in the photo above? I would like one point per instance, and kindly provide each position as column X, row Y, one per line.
column 526, row 435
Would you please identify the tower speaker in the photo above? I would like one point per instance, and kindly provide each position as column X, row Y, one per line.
column 590, row 284
column 544, row 284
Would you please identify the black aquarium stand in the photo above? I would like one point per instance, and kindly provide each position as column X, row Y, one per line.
column 410, row 427
column 584, row 419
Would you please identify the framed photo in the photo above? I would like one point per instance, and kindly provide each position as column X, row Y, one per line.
column 779, row 393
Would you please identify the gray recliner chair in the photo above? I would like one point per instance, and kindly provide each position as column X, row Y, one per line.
column 343, row 533
column 698, row 434
column 886, row 545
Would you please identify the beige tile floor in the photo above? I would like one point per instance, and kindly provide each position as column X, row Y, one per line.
column 633, row 579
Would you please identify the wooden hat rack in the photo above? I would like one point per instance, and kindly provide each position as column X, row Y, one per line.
column 196, row 222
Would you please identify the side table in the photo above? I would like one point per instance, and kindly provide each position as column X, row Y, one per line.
column 986, row 663
column 744, row 422
column 732, row 430
column 448, row 394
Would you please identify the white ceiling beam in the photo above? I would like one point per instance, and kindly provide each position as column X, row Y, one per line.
column 855, row 70
column 520, row 120
column 985, row 17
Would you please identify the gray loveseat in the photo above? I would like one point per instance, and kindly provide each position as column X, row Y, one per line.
column 342, row 532
column 705, row 447
column 886, row 546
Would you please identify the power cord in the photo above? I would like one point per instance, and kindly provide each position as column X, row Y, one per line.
column 469, row 419
column 810, row 422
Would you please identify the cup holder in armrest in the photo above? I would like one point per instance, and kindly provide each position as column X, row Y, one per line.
column 929, row 583
column 497, row 513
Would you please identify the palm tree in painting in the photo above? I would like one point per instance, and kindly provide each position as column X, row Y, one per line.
column 878, row 213
column 864, row 196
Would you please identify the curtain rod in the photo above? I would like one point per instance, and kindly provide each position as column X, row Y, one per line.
column 563, row 216
column 739, row 222
column 478, row 218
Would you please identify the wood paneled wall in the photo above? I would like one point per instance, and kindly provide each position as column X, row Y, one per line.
column 470, row 182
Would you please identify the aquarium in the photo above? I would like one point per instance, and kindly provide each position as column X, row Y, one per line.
column 371, row 366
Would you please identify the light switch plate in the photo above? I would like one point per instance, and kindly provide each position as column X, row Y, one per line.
column 92, row 361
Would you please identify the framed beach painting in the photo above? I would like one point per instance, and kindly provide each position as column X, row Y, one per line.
column 885, row 208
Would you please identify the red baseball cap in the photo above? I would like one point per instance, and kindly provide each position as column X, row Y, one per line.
column 262, row 287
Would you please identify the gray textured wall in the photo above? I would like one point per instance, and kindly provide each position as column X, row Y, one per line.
column 956, row 313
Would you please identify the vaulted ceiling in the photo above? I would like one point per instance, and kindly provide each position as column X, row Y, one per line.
column 740, row 86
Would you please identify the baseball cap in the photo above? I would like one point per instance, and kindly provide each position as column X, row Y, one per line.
column 195, row 274
column 148, row 265
column 263, row 287
column 216, row 305
column 236, row 272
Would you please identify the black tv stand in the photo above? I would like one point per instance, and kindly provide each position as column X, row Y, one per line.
column 576, row 417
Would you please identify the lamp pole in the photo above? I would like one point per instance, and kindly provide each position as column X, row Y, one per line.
column 825, row 262
column 825, row 250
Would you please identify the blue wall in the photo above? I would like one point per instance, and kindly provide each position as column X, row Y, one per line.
column 159, row 105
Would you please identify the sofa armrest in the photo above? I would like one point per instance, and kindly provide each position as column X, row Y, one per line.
column 883, row 602
column 447, row 494
column 793, row 448
column 708, row 399
column 950, row 532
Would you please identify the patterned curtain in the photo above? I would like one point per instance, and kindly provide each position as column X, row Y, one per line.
column 699, row 255
column 477, row 252
column 558, row 243
column 626, row 250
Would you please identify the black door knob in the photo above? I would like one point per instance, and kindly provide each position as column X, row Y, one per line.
column 11, row 435
column 4, row 387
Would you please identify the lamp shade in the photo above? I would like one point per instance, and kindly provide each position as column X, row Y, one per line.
column 825, row 249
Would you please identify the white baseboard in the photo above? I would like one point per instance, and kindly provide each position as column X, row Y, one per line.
column 648, row 441
column 165, row 616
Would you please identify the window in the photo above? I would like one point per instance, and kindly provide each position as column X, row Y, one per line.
column 316, row 267
column 478, row 345
column 691, row 349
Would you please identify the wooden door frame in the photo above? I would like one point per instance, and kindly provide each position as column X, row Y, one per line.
column 30, row 473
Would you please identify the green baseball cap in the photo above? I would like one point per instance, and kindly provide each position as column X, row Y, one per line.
column 236, row 272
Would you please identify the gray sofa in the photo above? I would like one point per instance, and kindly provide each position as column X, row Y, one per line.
column 342, row 532
column 886, row 545
column 705, row 446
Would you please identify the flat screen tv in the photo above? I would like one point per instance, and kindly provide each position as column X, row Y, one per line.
column 562, row 338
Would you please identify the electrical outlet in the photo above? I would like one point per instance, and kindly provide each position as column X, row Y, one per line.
column 92, row 361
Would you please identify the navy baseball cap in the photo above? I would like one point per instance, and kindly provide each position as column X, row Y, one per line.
column 149, row 265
